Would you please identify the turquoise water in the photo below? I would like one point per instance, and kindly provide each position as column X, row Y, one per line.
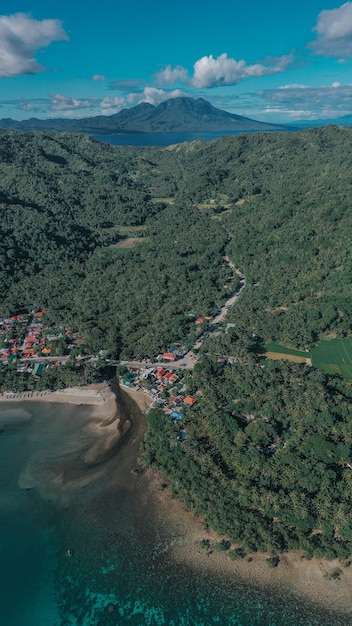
column 122, row 570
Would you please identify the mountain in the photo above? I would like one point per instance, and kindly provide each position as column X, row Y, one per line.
column 176, row 115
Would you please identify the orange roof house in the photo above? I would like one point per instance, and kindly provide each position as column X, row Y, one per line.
column 190, row 400
column 168, row 356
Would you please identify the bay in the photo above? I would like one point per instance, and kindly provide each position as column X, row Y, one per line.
column 123, row 569
column 167, row 139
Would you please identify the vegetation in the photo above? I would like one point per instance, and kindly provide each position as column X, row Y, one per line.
column 266, row 457
column 267, row 452
column 64, row 200
column 334, row 356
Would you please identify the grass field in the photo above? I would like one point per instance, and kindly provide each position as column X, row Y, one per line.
column 273, row 346
column 334, row 356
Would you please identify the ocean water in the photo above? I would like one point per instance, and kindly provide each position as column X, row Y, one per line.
column 122, row 569
column 162, row 139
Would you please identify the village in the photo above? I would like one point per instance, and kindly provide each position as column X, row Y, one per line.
column 33, row 344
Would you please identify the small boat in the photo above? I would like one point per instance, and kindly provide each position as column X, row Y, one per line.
column 69, row 553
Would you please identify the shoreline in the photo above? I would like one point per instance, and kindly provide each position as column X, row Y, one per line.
column 94, row 394
column 325, row 584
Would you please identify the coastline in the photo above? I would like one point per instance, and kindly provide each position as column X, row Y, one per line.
column 115, row 411
column 324, row 584
column 94, row 394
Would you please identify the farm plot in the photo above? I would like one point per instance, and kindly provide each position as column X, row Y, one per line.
column 334, row 356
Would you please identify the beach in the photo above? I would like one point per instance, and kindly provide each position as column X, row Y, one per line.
column 326, row 584
column 98, row 463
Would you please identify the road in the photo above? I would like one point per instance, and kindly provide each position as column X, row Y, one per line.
column 189, row 360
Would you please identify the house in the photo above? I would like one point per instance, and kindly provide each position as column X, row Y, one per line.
column 168, row 356
column 199, row 320
column 176, row 415
column 38, row 369
column 190, row 400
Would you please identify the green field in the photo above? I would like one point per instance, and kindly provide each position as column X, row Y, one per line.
column 334, row 356
column 273, row 346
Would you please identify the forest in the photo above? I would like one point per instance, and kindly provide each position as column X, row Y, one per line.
column 277, row 202
column 120, row 243
column 266, row 457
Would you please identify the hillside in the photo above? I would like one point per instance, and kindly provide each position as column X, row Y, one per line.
column 176, row 115
column 122, row 243
column 274, row 194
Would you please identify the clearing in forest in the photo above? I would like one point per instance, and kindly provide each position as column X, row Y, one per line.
column 274, row 350
column 334, row 356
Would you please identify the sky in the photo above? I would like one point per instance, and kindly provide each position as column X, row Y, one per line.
column 272, row 61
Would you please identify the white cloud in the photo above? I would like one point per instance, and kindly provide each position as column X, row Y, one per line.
column 211, row 72
column 20, row 37
column 298, row 102
column 65, row 103
column 99, row 78
column 149, row 94
column 223, row 70
column 169, row 76
column 334, row 32
column 293, row 86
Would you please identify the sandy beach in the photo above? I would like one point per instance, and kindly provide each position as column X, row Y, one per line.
column 327, row 584
column 95, row 395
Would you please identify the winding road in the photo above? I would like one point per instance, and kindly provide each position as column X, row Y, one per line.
column 189, row 360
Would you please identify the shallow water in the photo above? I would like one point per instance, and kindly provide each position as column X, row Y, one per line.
column 121, row 571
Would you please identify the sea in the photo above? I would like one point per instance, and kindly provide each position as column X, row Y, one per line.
column 163, row 140
column 121, row 569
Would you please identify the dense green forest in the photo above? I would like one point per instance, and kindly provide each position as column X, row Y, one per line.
column 66, row 200
column 120, row 243
column 265, row 457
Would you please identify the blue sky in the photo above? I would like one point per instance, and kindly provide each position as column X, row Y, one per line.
column 276, row 61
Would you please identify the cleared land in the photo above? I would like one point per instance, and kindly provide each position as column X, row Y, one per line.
column 275, row 347
column 289, row 357
column 334, row 356
column 130, row 242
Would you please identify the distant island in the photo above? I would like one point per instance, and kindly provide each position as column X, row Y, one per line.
column 176, row 115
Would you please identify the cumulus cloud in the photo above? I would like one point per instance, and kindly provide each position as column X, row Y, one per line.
column 170, row 76
column 149, row 94
column 20, row 37
column 99, row 78
column 211, row 72
column 300, row 102
column 66, row 103
column 223, row 70
column 334, row 32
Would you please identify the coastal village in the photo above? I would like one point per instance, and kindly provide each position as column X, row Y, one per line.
column 29, row 342
column 32, row 344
